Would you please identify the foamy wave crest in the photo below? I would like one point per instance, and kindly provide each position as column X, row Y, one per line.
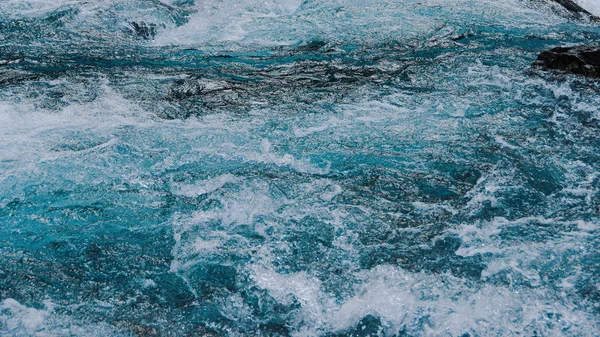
column 390, row 301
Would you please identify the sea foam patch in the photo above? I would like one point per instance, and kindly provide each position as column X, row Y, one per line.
column 19, row 320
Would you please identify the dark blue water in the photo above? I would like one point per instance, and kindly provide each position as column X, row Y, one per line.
column 296, row 168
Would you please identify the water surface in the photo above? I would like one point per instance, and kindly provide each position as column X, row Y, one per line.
column 296, row 168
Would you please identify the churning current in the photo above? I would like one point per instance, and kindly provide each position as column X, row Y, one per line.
column 296, row 168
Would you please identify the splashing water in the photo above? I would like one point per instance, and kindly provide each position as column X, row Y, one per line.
column 296, row 168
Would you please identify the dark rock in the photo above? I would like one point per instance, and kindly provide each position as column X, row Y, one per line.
column 143, row 30
column 571, row 6
column 575, row 8
column 582, row 60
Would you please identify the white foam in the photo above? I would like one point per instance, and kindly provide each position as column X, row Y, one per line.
column 200, row 245
column 241, row 203
column 293, row 21
column 299, row 286
column 226, row 20
column 206, row 186
column 252, row 22
column 20, row 317
column 437, row 304
column 19, row 320
column 108, row 19
column 504, row 143
column 592, row 6
column 148, row 283
column 30, row 136
column 33, row 7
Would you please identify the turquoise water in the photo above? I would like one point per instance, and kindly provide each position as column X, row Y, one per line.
column 296, row 168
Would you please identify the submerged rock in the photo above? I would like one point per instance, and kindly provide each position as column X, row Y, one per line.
column 582, row 60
